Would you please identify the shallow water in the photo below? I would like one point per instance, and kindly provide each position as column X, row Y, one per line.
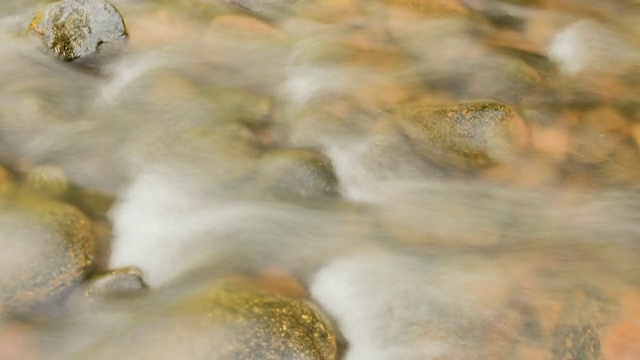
column 411, row 256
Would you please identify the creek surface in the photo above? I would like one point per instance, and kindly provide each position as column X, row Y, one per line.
column 324, row 179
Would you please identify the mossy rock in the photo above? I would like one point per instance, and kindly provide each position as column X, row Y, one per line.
column 47, row 180
column 467, row 135
column 73, row 29
column 47, row 248
column 233, row 319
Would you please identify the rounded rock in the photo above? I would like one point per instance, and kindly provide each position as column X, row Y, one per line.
column 47, row 249
column 118, row 283
column 298, row 172
column 233, row 319
column 47, row 180
column 467, row 135
column 74, row 29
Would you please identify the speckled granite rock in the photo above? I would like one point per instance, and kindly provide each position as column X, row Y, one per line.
column 74, row 29
column 234, row 319
column 467, row 135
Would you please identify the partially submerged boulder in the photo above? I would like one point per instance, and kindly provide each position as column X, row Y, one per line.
column 74, row 29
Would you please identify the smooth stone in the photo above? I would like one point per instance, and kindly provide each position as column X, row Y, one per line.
column 298, row 172
column 47, row 180
column 74, row 29
column 117, row 283
column 467, row 135
column 599, row 133
column 621, row 339
column 233, row 319
column 47, row 249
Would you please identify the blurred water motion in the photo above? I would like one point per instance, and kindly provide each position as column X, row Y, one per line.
column 449, row 179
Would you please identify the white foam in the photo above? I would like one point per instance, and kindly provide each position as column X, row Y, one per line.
column 395, row 306
column 590, row 46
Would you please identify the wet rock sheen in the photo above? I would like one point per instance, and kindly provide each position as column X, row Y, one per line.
column 48, row 248
column 73, row 29
column 467, row 135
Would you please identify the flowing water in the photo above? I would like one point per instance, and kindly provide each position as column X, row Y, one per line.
column 274, row 135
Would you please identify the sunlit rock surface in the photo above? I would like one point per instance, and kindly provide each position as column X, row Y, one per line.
column 465, row 135
column 73, row 29
column 48, row 248
column 232, row 319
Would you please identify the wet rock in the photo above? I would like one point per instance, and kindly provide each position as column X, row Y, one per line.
column 230, row 320
column 621, row 339
column 298, row 172
column 74, row 29
column 117, row 283
column 578, row 331
column 47, row 180
column 94, row 203
column 18, row 341
column 599, row 133
column 468, row 135
column 47, row 248
column 621, row 169
column 580, row 342
column 6, row 181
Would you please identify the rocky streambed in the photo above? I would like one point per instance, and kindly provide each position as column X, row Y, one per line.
column 319, row 179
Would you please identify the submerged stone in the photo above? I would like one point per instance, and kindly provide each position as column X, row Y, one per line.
column 117, row 283
column 47, row 247
column 468, row 135
column 47, row 180
column 233, row 319
column 74, row 29
column 298, row 172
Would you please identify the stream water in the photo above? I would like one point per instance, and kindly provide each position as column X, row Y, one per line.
column 233, row 137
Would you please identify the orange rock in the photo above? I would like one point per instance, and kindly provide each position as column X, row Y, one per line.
column 16, row 342
column 597, row 135
column 279, row 282
column 622, row 341
column 552, row 141
column 535, row 171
